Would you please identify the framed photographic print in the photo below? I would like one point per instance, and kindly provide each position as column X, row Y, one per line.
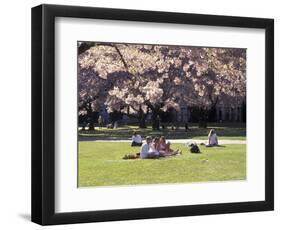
column 142, row 114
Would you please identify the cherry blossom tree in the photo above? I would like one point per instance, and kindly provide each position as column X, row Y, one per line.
column 139, row 79
column 220, row 78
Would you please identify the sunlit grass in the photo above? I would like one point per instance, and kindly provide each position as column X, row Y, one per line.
column 101, row 164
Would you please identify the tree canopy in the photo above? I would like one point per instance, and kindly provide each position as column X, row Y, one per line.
column 137, row 79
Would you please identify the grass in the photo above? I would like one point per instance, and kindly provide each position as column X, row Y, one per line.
column 240, row 138
column 224, row 131
column 101, row 164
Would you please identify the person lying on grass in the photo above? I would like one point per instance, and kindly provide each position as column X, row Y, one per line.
column 212, row 139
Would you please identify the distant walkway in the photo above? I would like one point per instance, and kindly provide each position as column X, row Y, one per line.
column 221, row 142
column 183, row 141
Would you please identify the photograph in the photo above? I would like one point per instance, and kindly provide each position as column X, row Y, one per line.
column 143, row 114
column 160, row 114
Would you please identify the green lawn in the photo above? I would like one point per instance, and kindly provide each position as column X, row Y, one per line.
column 101, row 164
column 235, row 131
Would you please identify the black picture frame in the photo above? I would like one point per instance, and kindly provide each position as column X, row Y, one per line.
column 43, row 110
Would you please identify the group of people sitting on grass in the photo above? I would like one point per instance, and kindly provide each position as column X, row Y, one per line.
column 159, row 147
column 152, row 148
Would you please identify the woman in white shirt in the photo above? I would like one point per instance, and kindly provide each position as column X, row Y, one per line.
column 148, row 150
column 212, row 138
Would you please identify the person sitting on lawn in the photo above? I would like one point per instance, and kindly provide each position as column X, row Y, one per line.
column 212, row 138
column 162, row 145
column 165, row 150
column 148, row 149
column 153, row 151
column 171, row 152
column 136, row 140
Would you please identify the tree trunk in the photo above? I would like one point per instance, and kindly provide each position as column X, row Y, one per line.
column 91, row 121
column 155, row 120
column 90, row 115
column 91, row 126
column 205, row 114
column 202, row 124
column 142, row 123
column 142, row 118
column 140, row 115
column 203, row 118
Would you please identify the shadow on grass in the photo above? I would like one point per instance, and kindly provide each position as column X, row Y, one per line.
column 220, row 146
column 194, row 132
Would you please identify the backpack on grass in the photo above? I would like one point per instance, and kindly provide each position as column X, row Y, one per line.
column 194, row 148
